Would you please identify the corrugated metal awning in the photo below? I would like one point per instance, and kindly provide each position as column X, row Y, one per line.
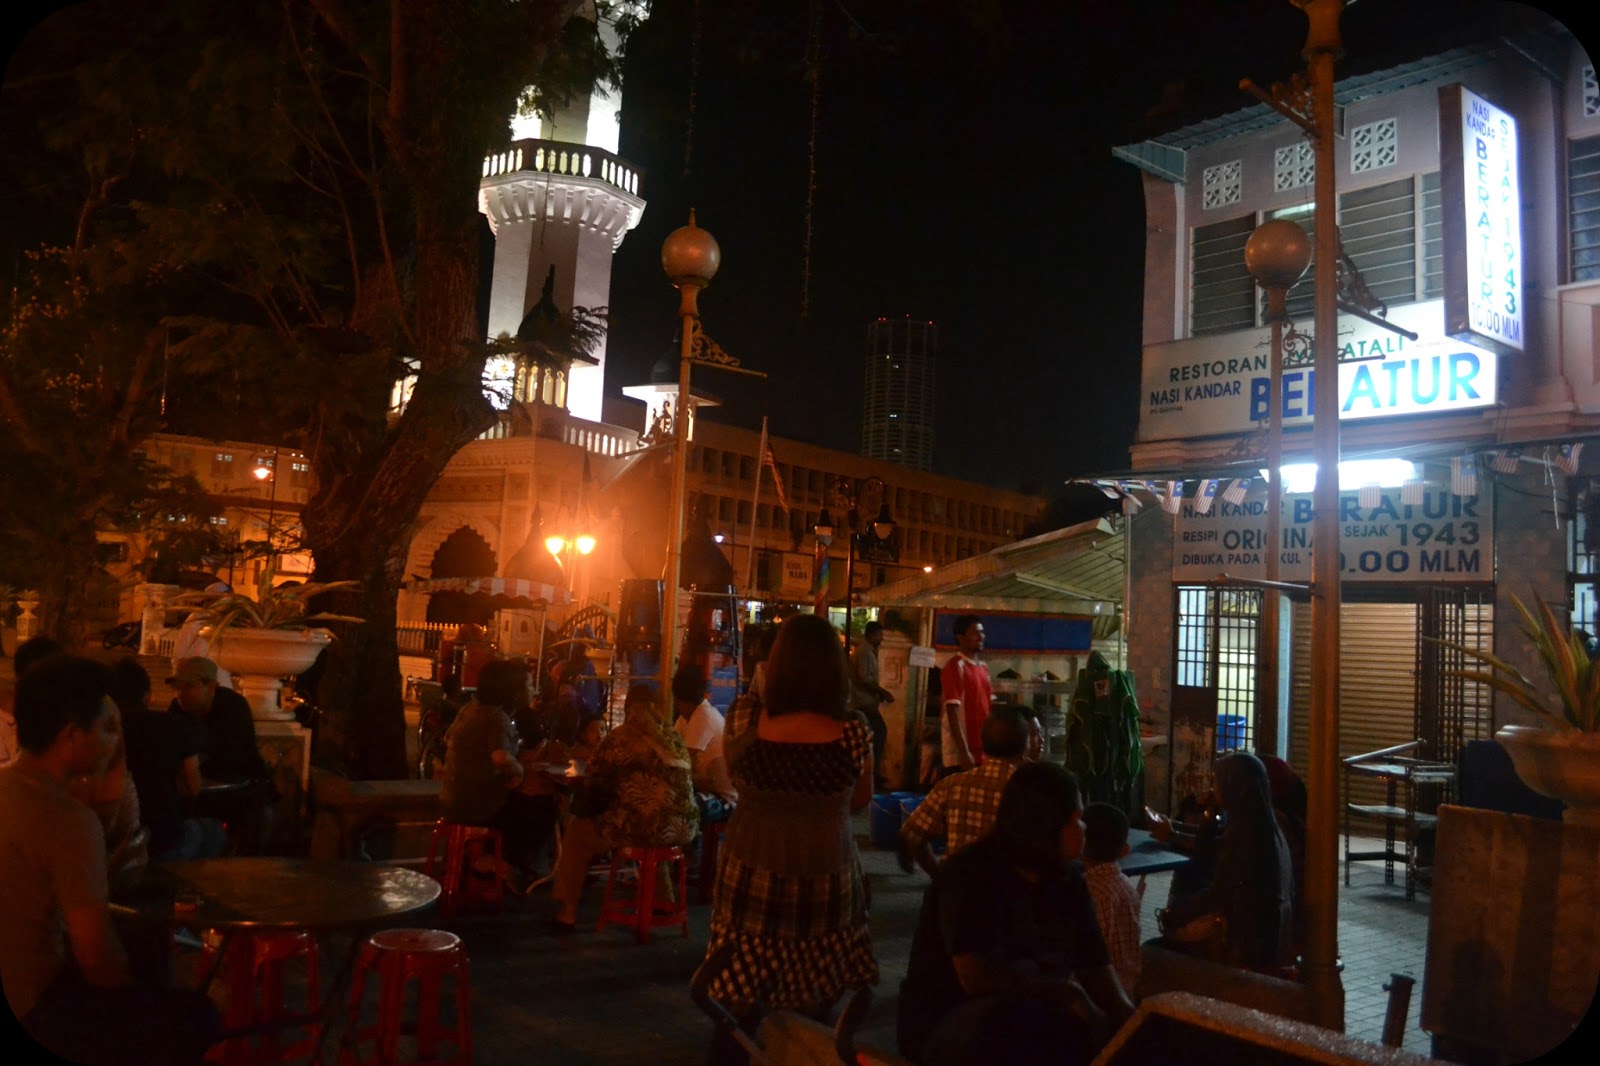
column 1076, row 570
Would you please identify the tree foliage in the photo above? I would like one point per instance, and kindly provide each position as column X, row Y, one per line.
column 281, row 199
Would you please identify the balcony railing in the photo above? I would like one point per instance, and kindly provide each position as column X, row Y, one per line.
column 563, row 159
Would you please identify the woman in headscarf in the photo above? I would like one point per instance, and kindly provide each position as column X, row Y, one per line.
column 638, row 793
column 1246, row 909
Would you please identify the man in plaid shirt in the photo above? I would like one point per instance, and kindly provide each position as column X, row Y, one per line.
column 962, row 807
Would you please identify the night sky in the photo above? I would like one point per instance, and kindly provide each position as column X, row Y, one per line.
column 963, row 174
column 958, row 179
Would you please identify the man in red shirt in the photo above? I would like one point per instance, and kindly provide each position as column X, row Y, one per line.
column 965, row 695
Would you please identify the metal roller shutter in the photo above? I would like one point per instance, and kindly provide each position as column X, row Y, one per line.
column 1377, row 688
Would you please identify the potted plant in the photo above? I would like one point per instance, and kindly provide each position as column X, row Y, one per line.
column 263, row 639
column 1560, row 756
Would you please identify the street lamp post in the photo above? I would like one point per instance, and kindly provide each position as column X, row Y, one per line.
column 883, row 527
column 265, row 471
column 1276, row 255
column 690, row 257
column 1310, row 105
column 563, row 547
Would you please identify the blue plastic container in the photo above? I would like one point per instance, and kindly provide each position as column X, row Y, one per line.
column 1230, row 732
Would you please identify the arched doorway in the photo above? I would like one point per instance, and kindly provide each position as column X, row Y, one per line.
column 464, row 553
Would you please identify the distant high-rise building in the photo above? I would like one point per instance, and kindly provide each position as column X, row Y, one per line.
column 897, row 416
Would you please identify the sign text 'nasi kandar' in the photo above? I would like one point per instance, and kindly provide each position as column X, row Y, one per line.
column 1444, row 538
column 1223, row 384
column 1482, row 228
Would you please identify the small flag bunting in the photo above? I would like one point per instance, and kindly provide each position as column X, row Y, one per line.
column 1506, row 460
column 1235, row 492
column 1207, row 493
column 1174, row 498
column 1464, row 475
column 1413, row 492
column 1567, row 458
column 1369, row 495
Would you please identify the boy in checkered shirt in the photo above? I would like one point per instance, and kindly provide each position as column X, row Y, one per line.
column 1116, row 900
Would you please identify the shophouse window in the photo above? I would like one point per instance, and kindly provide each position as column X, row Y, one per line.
column 1583, row 208
column 222, row 465
column 1222, row 294
column 747, row 468
column 1394, row 233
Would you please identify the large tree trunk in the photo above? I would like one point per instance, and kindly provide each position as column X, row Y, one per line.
column 360, row 522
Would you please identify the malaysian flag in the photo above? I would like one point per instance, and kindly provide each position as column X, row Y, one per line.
column 1413, row 492
column 1174, row 498
column 1207, row 493
column 771, row 463
column 1369, row 495
column 1567, row 458
column 1464, row 475
column 1506, row 460
column 1235, row 492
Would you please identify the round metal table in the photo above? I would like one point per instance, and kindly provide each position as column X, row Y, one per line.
column 279, row 893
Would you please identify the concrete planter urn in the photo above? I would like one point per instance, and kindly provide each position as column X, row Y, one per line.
column 1563, row 764
column 260, row 659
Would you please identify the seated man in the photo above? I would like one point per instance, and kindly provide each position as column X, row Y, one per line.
column 228, row 752
column 164, row 758
column 962, row 807
column 1007, row 965
column 702, row 728
column 64, row 969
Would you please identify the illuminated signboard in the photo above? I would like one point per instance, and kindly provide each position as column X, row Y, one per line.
column 1441, row 538
column 1222, row 383
column 1482, row 221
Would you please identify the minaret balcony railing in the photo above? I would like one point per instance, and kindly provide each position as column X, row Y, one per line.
column 563, row 159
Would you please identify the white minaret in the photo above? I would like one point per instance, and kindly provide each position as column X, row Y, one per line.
column 560, row 196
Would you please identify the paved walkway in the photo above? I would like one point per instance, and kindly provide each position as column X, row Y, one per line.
column 598, row 998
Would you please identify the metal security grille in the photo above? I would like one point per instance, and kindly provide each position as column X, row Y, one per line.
column 1217, row 631
column 1451, row 710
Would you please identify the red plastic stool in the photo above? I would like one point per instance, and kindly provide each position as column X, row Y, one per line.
column 253, row 967
column 459, row 848
column 711, row 835
column 640, row 911
column 398, row 957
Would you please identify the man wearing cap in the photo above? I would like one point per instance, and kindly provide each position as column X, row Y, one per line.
column 228, row 751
